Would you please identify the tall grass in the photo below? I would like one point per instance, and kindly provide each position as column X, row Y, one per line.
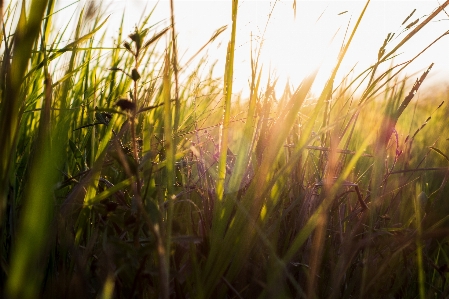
column 124, row 176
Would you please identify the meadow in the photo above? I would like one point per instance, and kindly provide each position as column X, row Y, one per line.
column 120, row 178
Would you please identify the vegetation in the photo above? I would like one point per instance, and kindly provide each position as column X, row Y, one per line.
column 120, row 179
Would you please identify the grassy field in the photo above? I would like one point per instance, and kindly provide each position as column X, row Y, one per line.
column 120, row 178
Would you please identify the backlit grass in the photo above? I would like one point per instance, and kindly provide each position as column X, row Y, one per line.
column 124, row 177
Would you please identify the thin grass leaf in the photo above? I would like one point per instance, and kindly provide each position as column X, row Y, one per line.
column 439, row 152
column 224, row 134
column 70, row 47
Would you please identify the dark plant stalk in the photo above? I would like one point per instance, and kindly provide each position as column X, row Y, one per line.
column 390, row 121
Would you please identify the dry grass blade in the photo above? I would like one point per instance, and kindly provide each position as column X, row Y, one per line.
column 391, row 121
column 416, row 29
column 214, row 36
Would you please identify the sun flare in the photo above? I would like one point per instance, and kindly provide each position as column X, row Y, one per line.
column 290, row 43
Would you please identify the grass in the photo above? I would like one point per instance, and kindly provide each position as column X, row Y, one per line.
column 123, row 178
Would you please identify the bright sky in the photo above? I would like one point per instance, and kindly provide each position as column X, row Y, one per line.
column 294, row 46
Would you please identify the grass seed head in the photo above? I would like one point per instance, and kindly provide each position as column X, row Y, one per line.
column 135, row 75
column 125, row 104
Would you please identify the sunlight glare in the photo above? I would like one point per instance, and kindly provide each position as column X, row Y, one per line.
column 291, row 47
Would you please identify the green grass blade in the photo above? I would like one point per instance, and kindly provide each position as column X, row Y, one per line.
column 229, row 74
column 170, row 149
column 26, row 35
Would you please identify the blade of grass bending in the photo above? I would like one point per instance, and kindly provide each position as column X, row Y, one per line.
column 213, row 37
column 110, row 191
column 68, row 47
